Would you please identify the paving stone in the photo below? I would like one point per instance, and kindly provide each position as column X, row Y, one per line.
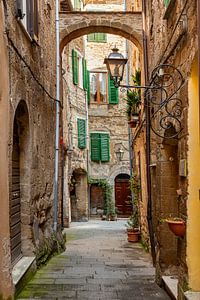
column 98, row 264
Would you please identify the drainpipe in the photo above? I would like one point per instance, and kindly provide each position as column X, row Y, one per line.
column 148, row 138
column 55, row 204
column 129, row 129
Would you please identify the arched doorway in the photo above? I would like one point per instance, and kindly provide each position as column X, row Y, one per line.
column 123, row 195
column 20, row 187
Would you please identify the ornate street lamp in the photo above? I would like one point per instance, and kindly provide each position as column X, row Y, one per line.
column 115, row 64
column 160, row 95
column 119, row 154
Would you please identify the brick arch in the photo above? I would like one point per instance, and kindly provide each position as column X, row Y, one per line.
column 125, row 24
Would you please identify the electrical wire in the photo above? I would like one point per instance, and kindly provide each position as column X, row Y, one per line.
column 30, row 70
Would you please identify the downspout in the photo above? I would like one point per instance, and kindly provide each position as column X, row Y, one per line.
column 129, row 129
column 148, row 137
column 55, row 204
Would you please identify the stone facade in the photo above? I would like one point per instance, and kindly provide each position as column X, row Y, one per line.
column 172, row 39
column 75, row 107
column 30, row 129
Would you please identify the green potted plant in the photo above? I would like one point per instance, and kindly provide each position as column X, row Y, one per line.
column 133, row 227
column 133, row 100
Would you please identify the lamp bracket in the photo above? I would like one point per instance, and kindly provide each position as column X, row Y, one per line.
column 161, row 96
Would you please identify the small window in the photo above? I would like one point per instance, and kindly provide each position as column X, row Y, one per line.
column 97, row 37
column 78, row 69
column 100, row 147
column 98, row 87
column 27, row 12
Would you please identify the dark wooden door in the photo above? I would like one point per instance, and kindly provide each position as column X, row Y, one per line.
column 15, row 211
column 123, row 197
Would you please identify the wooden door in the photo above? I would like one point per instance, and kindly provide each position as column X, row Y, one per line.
column 15, row 211
column 123, row 197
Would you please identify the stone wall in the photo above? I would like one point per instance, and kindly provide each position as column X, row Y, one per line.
column 75, row 106
column 5, row 274
column 176, row 45
column 32, row 94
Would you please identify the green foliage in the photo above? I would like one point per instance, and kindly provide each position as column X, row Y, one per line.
column 133, row 221
column 109, row 207
column 50, row 247
column 133, row 97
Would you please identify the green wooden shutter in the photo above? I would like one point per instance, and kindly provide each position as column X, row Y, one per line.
column 85, row 79
column 166, row 2
column 95, row 147
column 105, row 146
column 101, row 37
column 97, row 37
column 75, row 66
column 88, row 87
column 77, row 4
column 112, row 92
column 81, row 124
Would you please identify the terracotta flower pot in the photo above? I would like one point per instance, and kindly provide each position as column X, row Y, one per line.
column 132, row 124
column 178, row 227
column 133, row 235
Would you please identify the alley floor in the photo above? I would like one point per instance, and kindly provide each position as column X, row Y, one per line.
column 98, row 263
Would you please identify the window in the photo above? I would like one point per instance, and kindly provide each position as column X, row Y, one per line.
column 102, row 89
column 98, row 37
column 81, row 126
column 27, row 12
column 100, row 147
column 78, row 69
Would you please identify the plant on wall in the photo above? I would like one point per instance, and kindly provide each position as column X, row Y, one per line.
column 133, row 223
column 133, row 97
column 109, row 206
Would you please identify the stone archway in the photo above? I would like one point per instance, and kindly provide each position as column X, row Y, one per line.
column 125, row 24
column 20, row 227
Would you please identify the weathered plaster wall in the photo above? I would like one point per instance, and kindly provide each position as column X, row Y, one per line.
column 5, row 276
column 193, row 223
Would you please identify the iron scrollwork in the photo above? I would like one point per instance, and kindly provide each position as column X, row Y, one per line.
column 165, row 107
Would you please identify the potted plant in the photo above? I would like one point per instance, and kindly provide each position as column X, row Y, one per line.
column 133, row 100
column 176, row 225
column 133, row 228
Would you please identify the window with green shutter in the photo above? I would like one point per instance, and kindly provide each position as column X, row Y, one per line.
column 100, row 147
column 88, row 87
column 81, row 124
column 105, row 147
column 166, row 2
column 112, row 92
column 75, row 66
column 95, row 147
column 85, row 76
column 77, row 4
column 97, row 37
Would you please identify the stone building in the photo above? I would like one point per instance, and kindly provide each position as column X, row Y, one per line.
column 171, row 29
column 103, row 119
column 27, row 96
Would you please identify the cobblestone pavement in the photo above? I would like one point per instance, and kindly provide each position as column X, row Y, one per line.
column 98, row 263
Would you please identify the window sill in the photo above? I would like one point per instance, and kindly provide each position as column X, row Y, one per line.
column 26, row 33
column 169, row 9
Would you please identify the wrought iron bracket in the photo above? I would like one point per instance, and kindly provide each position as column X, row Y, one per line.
column 162, row 98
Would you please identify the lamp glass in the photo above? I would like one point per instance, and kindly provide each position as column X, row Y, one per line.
column 119, row 154
column 115, row 64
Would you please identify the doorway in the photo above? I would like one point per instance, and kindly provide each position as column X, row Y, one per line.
column 123, row 195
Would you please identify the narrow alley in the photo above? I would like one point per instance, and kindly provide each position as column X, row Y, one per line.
column 98, row 263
